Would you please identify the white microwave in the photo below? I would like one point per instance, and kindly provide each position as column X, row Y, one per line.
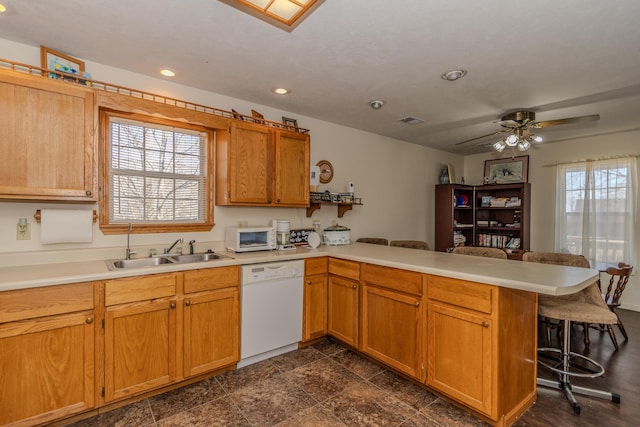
column 247, row 239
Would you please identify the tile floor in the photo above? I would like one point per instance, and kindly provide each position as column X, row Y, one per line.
column 321, row 385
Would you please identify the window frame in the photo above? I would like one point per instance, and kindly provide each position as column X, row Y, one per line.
column 108, row 227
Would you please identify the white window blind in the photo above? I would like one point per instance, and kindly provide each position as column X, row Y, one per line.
column 157, row 174
column 597, row 210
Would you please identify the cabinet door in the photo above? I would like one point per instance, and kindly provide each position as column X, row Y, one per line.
column 46, row 367
column 315, row 307
column 292, row 169
column 250, row 174
column 392, row 329
column 211, row 330
column 140, row 347
column 459, row 361
column 46, row 139
column 343, row 309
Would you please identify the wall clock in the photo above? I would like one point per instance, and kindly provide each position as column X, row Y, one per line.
column 326, row 171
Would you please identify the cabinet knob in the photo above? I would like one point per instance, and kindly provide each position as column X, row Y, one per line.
column 417, row 304
column 88, row 192
column 187, row 302
column 485, row 324
column 354, row 286
column 277, row 200
column 308, row 282
column 89, row 320
column 173, row 304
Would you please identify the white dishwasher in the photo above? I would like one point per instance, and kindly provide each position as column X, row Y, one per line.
column 271, row 307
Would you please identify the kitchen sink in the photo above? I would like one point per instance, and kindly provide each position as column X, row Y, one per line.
column 154, row 261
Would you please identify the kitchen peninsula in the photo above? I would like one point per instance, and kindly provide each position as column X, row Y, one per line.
column 488, row 305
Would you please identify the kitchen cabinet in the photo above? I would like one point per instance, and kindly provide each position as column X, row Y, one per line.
column 46, row 353
column 259, row 166
column 139, row 334
column 392, row 318
column 314, row 311
column 46, row 139
column 474, row 353
column 343, row 300
column 211, row 319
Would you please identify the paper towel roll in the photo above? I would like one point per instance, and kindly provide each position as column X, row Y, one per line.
column 66, row 226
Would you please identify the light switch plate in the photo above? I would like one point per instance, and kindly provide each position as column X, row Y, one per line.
column 23, row 235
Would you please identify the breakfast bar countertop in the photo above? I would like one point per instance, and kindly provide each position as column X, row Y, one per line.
column 533, row 277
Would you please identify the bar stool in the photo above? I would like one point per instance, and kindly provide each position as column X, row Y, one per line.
column 480, row 251
column 413, row 244
column 585, row 306
column 373, row 240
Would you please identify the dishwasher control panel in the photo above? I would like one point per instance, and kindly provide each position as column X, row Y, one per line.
column 271, row 271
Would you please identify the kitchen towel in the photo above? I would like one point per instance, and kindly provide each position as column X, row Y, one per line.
column 66, row 226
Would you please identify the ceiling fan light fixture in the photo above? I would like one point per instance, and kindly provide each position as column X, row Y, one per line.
column 524, row 145
column 536, row 138
column 511, row 140
column 454, row 75
column 499, row 146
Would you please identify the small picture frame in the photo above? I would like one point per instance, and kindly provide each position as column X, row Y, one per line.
column 57, row 61
column 257, row 117
column 290, row 122
column 506, row 171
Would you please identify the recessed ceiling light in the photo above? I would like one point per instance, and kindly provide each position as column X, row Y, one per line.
column 281, row 90
column 454, row 75
column 376, row 104
column 167, row 72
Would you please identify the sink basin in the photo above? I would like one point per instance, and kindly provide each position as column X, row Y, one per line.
column 208, row 256
column 118, row 264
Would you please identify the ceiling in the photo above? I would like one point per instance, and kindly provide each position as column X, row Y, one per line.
column 558, row 58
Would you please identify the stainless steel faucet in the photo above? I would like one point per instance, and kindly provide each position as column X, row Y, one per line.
column 191, row 242
column 168, row 250
column 129, row 251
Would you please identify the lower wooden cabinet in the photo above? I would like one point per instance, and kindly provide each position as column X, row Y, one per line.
column 314, row 310
column 211, row 332
column 481, row 346
column 343, row 300
column 392, row 318
column 46, row 353
column 139, row 335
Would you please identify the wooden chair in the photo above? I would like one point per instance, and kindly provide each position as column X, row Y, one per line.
column 619, row 277
column 413, row 244
column 373, row 240
column 583, row 307
column 480, row 251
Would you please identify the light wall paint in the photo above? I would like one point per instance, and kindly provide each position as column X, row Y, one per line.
column 395, row 179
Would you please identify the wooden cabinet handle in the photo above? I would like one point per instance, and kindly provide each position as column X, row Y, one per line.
column 89, row 320
column 308, row 282
column 417, row 304
column 277, row 200
column 173, row 304
column 354, row 286
column 485, row 324
column 187, row 302
column 88, row 192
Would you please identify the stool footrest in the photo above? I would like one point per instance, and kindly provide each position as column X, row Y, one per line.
column 598, row 371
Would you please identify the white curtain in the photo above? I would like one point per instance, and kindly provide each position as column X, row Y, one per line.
column 596, row 210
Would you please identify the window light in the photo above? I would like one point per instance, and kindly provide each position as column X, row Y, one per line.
column 285, row 12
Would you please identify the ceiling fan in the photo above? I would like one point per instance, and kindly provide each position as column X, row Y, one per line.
column 519, row 125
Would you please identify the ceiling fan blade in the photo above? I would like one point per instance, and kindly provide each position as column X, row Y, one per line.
column 508, row 123
column 483, row 136
column 580, row 119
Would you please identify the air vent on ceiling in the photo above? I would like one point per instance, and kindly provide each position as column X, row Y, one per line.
column 411, row 120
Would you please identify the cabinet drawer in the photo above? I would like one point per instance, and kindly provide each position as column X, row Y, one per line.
column 393, row 278
column 45, row 301
column 211, row 278
column 471, row 295
column 139, row 288
column 315, row 266
column 340, row 267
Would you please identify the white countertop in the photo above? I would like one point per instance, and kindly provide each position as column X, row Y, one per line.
column 534, row 277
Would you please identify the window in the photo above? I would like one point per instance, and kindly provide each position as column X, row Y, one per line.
column 156, row 174
column 596, row 210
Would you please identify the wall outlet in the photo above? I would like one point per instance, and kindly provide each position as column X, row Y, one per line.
column 23, row 232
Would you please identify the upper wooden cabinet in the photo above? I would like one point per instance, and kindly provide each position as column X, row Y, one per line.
column 46, row 139
column 260, row 166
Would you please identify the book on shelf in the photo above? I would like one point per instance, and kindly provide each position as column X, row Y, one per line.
column 498, row 202
column 513, row 202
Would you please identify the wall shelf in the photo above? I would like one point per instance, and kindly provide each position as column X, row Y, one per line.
column 342, row 207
